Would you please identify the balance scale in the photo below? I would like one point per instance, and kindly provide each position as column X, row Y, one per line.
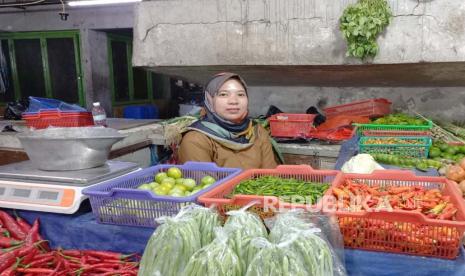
column 22, row 186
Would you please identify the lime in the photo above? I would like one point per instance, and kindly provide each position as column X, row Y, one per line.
column 434, row 152
column 451, row 150
column 145, row 186
column 189, row 183
column 161, row 190
column 207, row 180
column 174, row 172
column 160, row 176
column 443, row 147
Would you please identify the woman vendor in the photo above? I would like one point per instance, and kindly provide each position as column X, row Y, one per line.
column 225, row 135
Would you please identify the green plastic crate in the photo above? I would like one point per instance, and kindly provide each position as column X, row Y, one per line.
column 394, row 128
column 419, row 150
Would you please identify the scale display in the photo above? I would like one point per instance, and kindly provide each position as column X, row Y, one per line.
column 33, row 193
column 23, row 187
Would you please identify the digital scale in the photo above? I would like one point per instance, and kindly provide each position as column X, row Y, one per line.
column 22, row 186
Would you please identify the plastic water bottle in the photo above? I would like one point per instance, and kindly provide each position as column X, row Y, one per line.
column 99, row 115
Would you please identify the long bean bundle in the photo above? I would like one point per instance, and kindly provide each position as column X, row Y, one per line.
column 215, row 259
column 275, row 259
column 206, row 218
column 170, row 247
column 242, row 227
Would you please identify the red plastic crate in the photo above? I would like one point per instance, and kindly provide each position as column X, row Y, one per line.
column 371, row 108
column 219, row 196
column 399, row 231
column 44, row 119
column 291, row 125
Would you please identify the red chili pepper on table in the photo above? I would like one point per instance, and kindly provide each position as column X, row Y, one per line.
column 8, row 242
column 105, row 255
column 4, row 232
column 10, row 224
column 8, row 259
column 23, row 224
column 40, row 262
column 38, row 271
column 8, row 272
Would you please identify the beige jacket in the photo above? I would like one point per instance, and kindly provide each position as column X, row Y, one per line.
column 196, row 146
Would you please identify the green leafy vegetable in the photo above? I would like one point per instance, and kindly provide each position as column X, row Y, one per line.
column 361, row 23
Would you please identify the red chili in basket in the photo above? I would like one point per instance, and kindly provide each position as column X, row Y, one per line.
column 10, row 224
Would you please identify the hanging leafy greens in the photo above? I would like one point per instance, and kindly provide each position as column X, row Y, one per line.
column 361, row 23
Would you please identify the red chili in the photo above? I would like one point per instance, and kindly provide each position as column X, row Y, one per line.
column 8, row 272
column 8, row 259
column 29, row 256
column 34, row 270
column 33, row 236
column 106, row 254
column 41, row 262
column 43, row 255
column 8, row 242
column 4, row 232
column 10, row 224
column 119, row 272
column 72, row 253
column 23, row 224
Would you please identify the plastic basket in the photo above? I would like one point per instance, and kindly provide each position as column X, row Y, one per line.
column 117, row 201
column 419, row 150
column 399, row 231
column 44, row 119
column 219, row 196
column 291, row 125
column 394, row 133
column 363, row 127
column 370, row 108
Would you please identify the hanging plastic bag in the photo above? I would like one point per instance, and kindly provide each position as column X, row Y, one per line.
column 215, row 259
column 170, row 247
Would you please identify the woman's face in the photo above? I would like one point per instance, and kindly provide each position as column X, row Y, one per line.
column 231, row 102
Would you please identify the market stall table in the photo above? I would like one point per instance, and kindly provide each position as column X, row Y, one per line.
column 82, row 231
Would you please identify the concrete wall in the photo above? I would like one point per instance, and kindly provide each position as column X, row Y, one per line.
column 437, row 102
column 289, row 32
column 95, row 61
column 46, row 18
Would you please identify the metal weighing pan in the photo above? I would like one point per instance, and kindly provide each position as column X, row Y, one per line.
column 70, row 148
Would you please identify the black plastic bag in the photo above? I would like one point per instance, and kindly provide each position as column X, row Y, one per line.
column 14, row 110
column 272, row 110
column 319, row 119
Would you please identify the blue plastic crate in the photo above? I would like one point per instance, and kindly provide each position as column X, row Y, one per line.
column 117, row 201
column 37, row 104
column 140, row 112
